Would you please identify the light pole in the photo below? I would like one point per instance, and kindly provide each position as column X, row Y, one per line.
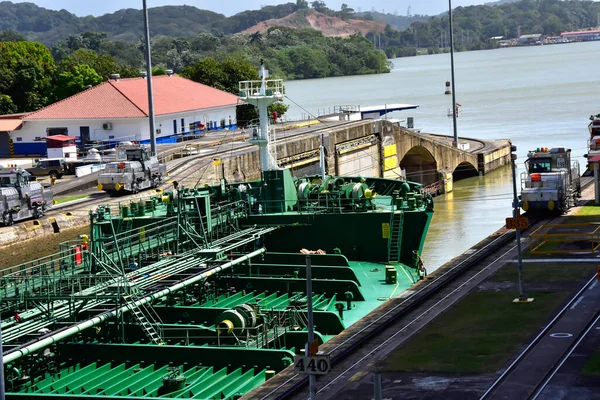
column 452, row 74
column 2, row 388
column 312, row 379
column 149, row 79
column 513, row 158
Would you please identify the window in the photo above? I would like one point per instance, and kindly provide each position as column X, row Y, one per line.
column 182, row 125
column 539, row 165
column 56, row 131
column 174, row 126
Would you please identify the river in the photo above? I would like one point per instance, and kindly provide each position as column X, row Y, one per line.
column 539, row 96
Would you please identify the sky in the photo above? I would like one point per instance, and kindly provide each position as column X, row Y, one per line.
column 230, row 7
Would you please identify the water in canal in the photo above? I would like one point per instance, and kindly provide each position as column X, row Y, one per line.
column 539, row 96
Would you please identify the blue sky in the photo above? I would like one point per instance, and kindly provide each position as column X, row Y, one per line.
column 230, row 7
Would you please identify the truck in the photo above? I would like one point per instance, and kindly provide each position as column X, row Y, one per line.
column 136, row 169
column 21, row 197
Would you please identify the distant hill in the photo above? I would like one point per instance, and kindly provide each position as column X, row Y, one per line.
column 500, row 2
column 399, row 22
column 48, row 26
column 329, row 26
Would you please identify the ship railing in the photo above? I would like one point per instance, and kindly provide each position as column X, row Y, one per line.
column 260, row 336
column 142, row 240
column 273, row 87
column 309, row 206
column 57, row 264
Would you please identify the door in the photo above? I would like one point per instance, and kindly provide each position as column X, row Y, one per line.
column 4, row 147
column 84, row 134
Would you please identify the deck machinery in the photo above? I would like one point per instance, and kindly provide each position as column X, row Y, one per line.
column 201, row 292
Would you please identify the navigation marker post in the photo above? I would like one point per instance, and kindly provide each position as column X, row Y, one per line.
column 517, row 221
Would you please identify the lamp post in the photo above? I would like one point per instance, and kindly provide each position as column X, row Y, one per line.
column 522, row 296
column 452, row 74
column 149, row 79
column 2, row 388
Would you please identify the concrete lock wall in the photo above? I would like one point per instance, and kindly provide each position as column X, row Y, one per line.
column 367, row 148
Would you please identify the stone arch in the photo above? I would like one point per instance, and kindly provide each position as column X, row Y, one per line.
column 464, row 170
column 420, row 166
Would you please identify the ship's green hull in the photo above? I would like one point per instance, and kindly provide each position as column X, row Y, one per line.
column 202, row 293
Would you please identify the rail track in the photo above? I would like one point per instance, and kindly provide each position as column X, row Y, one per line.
column 507, row 384
column 183, row 168
column 564, row 358
column 364, row 339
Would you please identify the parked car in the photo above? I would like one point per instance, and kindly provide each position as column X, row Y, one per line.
column 55, row 167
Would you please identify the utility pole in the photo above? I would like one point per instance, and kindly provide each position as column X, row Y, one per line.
column 452, row 73
column 312, row 379
column 149, row 79
column 522, row 296
column 2, row 388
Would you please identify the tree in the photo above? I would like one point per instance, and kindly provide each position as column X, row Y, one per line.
column 26, row 69
column 318, row 5
column 104, row 65
column 255, row 37
column 11, row 36
column 301, row 4
column 74, row 79
column 346, row 12
column 226, row 75
column 205, row 42
column 6, row 105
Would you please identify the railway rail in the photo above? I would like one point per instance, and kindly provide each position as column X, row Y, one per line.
column 534, row 383
column 179, row 169
column 564, row 358
column 399, row 316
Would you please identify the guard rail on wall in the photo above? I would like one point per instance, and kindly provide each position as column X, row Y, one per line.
column 189, row 149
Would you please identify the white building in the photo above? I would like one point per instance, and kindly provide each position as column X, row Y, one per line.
column 117, row 110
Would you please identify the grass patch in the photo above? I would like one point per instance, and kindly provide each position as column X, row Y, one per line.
column 478, row 335
column 592, row 367
column 71, row 198
column 547, row 272
column 589, row 209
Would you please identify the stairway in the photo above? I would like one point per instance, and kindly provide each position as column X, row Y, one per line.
column 147, row 319
column 395, row 234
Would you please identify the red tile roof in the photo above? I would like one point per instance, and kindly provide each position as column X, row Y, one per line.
column 128, row 98
column 9, row 125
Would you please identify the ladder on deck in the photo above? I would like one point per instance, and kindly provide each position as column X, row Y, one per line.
column 395, row 233
column 147, row 318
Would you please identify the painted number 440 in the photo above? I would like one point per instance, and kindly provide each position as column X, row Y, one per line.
column 316, row 365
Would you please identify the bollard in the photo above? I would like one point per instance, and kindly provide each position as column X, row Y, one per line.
column 378, row 390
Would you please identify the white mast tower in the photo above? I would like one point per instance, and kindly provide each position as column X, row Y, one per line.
column 262, row 94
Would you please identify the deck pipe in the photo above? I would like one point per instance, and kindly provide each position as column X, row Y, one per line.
column 56, row 337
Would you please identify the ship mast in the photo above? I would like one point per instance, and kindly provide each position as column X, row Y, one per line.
column 262, row 94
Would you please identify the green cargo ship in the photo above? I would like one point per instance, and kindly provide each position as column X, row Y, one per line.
column 201, row 292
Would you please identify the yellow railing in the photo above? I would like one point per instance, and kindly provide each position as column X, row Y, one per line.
column 565, row 239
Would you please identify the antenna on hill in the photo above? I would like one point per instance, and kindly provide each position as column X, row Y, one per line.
column 409, row 12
